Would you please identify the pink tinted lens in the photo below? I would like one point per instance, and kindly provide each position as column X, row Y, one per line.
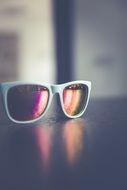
column 75, row 98
column 27, row 102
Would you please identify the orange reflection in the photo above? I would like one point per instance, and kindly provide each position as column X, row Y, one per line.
column 44, row 141
column 71, row 100
column 73, row 132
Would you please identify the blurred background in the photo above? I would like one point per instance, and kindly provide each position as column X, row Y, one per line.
column 62, row 40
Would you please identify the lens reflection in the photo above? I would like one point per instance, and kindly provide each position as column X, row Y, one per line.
column 74, row 98
column 27, row 102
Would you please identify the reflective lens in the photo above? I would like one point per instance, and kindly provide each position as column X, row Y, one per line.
column 27, row 102
column 74, row 98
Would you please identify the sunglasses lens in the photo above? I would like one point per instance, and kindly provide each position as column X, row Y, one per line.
column 75, row 98
column 27, row 102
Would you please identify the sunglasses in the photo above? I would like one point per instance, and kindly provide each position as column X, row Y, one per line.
column 28, row 102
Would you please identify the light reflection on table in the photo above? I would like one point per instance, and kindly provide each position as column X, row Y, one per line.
column 44, row 140
column 73, row 132
column 71, row 135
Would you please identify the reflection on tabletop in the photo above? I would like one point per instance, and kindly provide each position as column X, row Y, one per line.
column 71, row 136
column 73, row 132
column 41, row 154
column 44, row 140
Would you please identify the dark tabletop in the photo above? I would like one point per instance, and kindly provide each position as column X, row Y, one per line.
column 60, row 154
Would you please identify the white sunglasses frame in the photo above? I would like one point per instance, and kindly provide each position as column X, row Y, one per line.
column 53, row 89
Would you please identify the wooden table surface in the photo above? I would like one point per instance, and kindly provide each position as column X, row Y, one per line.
column 57, row 154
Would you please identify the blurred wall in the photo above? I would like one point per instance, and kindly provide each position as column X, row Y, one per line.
column 30, row 21
column 100, row 45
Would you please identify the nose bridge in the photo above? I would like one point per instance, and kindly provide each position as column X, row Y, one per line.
column 55, row 89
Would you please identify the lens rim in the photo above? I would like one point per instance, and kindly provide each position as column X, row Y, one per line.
column 11, row 85
column 88, row 85
column 10, row 102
